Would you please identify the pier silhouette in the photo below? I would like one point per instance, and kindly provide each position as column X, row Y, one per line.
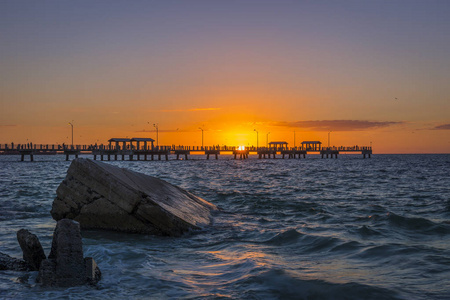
column 144, row 149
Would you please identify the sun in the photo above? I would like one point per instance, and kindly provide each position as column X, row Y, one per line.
column 241, row 148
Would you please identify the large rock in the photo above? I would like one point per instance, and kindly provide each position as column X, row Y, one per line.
column 102, row 196
column 65, row 265
column 32, row 250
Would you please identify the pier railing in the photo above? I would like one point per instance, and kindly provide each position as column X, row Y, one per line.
column 93, row 147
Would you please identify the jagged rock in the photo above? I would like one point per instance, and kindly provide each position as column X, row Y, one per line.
column 102, row 196
column 32, row 250
column 65, row 265
column 10, row 263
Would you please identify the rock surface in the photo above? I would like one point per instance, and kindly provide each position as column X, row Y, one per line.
column 9, row 263
column 102, row 196
column 93, row 274
column 32, row 250
column 65, row 265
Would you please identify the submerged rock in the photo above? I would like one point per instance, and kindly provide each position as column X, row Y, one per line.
column 102, row 196
column 10, row 263
column 33, row 253
column 65, row 265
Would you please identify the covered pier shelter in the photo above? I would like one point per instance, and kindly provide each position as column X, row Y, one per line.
column 278, row 145
column 312, row 145
column 117, row 142
column 145, row 146
column 131, row 144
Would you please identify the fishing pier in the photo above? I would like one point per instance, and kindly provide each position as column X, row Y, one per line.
column 144, row 149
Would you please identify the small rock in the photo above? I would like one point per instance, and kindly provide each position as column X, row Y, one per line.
column 10, row 263
column 65, row 266
column 93, row 274
column 33, row 253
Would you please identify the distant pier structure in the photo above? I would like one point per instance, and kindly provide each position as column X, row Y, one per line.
column 144, row 149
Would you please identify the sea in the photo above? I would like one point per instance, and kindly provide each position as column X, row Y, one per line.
column 346, row 228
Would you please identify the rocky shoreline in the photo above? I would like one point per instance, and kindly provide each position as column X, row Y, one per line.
column 65, row 266
column 97, row 195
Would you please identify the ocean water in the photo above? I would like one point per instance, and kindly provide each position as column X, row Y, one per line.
column 346, row 228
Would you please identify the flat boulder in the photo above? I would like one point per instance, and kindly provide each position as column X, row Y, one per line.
column 102, row 196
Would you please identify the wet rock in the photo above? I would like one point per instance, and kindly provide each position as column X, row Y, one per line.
column 65, row 265
column 93, row 273
column 102, row 196
column 10, row 263
column 32, row 250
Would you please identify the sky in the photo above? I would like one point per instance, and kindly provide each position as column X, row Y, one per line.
column 246, row 72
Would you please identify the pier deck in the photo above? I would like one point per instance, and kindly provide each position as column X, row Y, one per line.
column 131, row 153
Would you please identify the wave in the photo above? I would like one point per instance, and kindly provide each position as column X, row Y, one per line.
column 421, row 225
column 310, row 243
column 365, row 231
column 280, row 284
column 287, row 237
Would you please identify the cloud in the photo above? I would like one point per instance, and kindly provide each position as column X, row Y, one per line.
column 204, row 109
column 442, row 127
column 189, row 109
column 337, row 125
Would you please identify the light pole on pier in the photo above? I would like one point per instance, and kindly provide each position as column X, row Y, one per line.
column 257, row 139
column 267, row 139
column 294, row 138
column 157, row 139
column 329, row 138
column 202, row 135
column 72, row 131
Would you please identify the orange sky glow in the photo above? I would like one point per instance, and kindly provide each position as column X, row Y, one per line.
column 371, row 73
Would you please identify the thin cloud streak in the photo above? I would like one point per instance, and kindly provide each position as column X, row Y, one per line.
column 337, row 125
column 442, row 127
column 188, row 110
column 164, row 130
